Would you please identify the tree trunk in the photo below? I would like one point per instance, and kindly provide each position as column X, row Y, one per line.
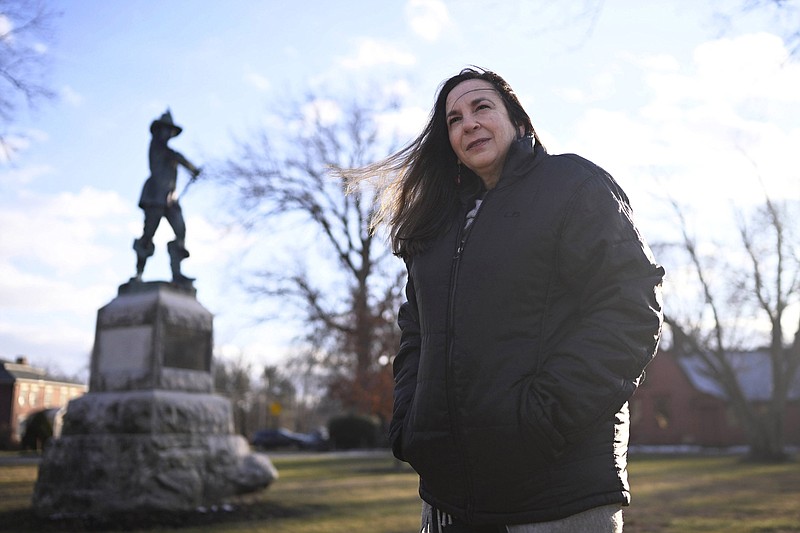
column 766, row 438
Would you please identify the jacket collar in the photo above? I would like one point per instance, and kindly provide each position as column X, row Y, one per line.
column 523, row 155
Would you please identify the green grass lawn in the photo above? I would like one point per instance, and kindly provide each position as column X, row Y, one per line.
column 330, row 494
column 721, row 494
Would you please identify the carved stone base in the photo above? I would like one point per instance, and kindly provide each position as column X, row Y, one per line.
column 149, row 434
column 97, row 475
column 142, row 450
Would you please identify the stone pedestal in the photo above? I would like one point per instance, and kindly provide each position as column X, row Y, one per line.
column 149, row 434
column 152, row 336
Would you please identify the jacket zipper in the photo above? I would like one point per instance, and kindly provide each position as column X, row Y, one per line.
column 463, row 235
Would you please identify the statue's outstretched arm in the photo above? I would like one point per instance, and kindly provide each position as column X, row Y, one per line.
column 187, row 164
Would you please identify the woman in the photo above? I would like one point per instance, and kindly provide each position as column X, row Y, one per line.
column 533, row 307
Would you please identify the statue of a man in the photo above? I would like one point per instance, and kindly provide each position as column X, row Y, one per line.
column 159, row 200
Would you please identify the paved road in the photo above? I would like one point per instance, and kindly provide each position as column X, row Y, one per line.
column 29, row 458
column 13, row 458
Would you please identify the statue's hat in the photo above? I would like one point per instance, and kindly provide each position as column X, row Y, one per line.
column 165, row 120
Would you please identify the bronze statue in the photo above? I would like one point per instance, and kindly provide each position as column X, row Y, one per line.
column 159, row 200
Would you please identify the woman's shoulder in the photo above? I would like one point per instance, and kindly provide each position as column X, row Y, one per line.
column 574, row 169
column 563, row 171
column 578, row 174
column 574, row 164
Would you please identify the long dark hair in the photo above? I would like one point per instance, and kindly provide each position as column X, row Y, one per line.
column 420, row 198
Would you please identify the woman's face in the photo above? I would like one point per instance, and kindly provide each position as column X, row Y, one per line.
column 479, row 128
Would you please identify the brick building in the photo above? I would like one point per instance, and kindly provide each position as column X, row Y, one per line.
column 24, row 390
column 679, row 405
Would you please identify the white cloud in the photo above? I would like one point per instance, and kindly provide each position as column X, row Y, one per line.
column 572, row 94
column 324, row 110
column 5, row 28
column 63, row 231
column 71, row 96
column 658, row 62
column 427, row 18
column 17, row 177
column 372, row 53
column 58, row 265
column 745, row 62
column 210, row 242
column 51, row 342
column 733, row 71
column 256, row 80
column 601, row 87
column 404, row 123
column 707, row 131
column 66, row 254
column 39, row 293
column 399, row 88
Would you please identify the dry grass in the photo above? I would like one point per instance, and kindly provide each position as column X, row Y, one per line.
column 694, row 494
column 332, row 494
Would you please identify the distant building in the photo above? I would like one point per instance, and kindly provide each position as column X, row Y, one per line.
column 24, row 390
column 678, row 404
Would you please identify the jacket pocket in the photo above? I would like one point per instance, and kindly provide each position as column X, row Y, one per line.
column 509, row 469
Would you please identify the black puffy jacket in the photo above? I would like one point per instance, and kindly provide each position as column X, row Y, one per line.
column 523, row 338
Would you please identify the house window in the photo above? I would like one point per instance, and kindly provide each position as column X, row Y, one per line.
column 34, row 395
column 23, row 395
column 663, row 412
column 48, row 396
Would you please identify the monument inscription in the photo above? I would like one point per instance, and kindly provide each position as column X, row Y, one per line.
column 126, row 349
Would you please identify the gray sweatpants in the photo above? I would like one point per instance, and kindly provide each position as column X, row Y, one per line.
column 605, row 519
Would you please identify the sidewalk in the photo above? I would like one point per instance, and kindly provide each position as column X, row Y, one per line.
column 19, row 458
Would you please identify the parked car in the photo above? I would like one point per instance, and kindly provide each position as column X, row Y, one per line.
column 273, row 439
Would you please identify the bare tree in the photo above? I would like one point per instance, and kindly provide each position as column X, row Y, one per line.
column 346, row 288
column 786, row 17
column 761, row 284
column 233, row 380
column 25, row 27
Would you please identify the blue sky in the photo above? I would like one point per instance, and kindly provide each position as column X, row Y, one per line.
column 672, row 97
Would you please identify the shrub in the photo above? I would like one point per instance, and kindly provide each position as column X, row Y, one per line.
column 38, row 431
column 352, row 431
